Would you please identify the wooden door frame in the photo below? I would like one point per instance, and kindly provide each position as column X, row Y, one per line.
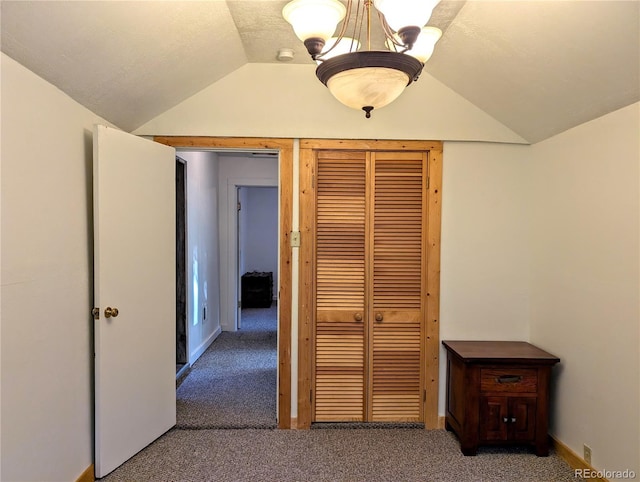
column 285, row 174
column 306, row 266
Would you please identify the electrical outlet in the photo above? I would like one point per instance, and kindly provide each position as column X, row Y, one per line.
column 587, row 454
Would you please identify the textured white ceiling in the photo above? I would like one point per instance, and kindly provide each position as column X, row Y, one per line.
column 539, row 67
column 127, row 61
column 543, row 67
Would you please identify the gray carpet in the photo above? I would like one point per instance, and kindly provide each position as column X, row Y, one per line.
column 232, row 387
column 332, row 455
column 233, row 384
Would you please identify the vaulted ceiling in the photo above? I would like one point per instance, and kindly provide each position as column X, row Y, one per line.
column 538, row 67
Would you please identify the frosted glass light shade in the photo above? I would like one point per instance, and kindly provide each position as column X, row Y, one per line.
column 423, row 48
column 406, row 13
column 346, row 45
column 368, row 79
column 368, row 86
column 314, row 18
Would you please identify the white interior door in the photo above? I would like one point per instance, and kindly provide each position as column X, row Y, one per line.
column 134, row 270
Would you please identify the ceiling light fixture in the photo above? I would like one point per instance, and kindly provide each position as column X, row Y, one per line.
column 365, row 79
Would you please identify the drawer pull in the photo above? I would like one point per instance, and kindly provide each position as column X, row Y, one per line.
column 509, row 379
column 507, row 419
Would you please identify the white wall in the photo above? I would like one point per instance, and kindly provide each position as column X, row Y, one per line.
column 203, row 266
column 291, row 102
column 484, row 283
column 47, row 290
column 236, row 170
column 260, row 236
column 585, row 303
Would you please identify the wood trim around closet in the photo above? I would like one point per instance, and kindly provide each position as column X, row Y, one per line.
column 306, row 301
column 285, row 182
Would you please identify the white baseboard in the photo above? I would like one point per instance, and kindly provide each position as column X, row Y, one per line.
column 197, row 353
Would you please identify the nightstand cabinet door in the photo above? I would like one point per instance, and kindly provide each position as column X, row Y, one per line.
column 507, row 418
column 522, row 419
column 493, row 418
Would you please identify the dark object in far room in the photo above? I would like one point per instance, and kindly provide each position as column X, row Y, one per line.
column 257, row 289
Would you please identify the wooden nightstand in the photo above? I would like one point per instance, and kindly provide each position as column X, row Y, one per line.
column 498, row 393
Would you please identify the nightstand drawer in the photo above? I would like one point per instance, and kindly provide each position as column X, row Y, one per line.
column 515, row 380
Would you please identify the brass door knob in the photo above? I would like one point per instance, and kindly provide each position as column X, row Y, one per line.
column 110, row 312
column 379, row 317
column 357, row 317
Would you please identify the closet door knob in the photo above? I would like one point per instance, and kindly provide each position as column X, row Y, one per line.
column 357, row 317
column 379, row 317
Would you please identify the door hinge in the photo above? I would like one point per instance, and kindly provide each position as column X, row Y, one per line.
column 428, row 178
column 239, row 206
column 313, row 181
column 424, row 395
column 311, row 396
column 239, row 304
column 95, row 312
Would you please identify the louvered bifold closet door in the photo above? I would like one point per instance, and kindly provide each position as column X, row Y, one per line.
column 399, row 212
column 340, row 335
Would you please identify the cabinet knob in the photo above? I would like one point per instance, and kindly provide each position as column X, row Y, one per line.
column 379, row 317
column 357, row 317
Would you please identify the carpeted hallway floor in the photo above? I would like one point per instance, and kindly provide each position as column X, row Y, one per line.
column 225, row 433
column 233, row 384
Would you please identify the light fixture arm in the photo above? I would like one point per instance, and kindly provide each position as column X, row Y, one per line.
column 343, row 29
column 409, row 35
column 314, row 46
column 389, row 33
column 367, row 5
column 358, row 24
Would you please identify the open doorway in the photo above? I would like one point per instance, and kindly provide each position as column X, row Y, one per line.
column 210, row 395
column 285, row 181
column 257, row 247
